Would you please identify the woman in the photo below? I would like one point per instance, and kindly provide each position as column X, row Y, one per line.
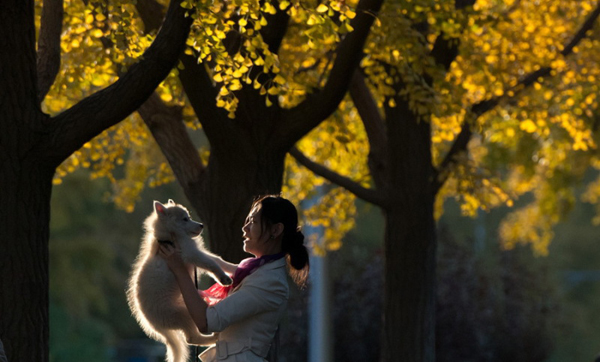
column 247, row 318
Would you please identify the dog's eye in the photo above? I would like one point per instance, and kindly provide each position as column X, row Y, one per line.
column 186, row 219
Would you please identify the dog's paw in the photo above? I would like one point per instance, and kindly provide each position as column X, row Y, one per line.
column 225, row 280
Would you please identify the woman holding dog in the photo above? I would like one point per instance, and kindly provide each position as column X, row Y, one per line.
column 245, row 320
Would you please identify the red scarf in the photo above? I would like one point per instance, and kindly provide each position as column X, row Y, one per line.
column 217, row 292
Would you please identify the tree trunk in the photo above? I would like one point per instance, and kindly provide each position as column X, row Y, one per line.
column 25, row 217
column 25, row 187
column 233, row 179
column 410, row 245
column 31, row 147
column 246, row 164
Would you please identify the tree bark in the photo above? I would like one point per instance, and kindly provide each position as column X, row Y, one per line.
column 24, row 193
column 222, row 192
column 32, row 145
column 48, row 60
column 410, row 244
column 235, row 176
column 25, row 218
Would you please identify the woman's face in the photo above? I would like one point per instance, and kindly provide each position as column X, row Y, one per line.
column 254, row 239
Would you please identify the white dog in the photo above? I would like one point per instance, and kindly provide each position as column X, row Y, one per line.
column 154, row 296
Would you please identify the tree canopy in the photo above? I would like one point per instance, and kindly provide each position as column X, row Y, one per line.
column 539, row 139
column 524, row 82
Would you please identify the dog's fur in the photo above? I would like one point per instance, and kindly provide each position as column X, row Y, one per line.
column 154, row 296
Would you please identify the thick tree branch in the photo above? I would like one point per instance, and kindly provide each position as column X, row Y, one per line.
column 445, row 49
column 368, row 110
column 370, row 195
column 151, row 12
column 172, row 137
column 478, row 109
column 320, row 105
column 581, row 33
column 461, row 4
column 165, row 122
column 199, row 89
column 105, row 108
column 48, row 52
column 275, row 30
column 374, row 127
column 202, row 95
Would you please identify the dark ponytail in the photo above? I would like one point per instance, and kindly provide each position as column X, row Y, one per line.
column 276, row 209
column 297, row 257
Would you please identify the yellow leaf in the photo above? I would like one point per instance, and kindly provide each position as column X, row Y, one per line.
column 312, row 20
column 528, row 126
column 322, row 8
column 97, row 33
column 345, row 28
column 235, row 85
column 270, row 9
column 279, row 79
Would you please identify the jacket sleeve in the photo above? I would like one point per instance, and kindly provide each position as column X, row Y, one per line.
column 255, row 296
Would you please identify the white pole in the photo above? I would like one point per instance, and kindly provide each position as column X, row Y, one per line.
column 319, row 326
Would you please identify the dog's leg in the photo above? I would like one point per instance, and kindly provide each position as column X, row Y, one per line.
column 227, row 267
column 208, row 262
column 194, row 337
column 198, row 339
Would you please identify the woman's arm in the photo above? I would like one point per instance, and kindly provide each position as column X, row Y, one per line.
column 193, row 301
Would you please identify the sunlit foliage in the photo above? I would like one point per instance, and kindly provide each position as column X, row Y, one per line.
column 340, row 144
column 539, row 140
column 107, row 38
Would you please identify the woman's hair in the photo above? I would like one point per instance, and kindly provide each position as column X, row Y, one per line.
column 276, row 209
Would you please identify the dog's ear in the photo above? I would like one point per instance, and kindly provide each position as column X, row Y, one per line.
column 160, row 208
column 171, row 202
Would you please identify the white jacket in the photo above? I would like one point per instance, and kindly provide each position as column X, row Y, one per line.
column 246, row 321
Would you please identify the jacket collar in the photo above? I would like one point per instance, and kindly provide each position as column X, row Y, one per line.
column 275, row 264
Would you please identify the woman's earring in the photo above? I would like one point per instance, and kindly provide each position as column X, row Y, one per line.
column 272, row 236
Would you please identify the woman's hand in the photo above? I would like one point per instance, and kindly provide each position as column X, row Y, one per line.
column 172, row 255
column 193, row 302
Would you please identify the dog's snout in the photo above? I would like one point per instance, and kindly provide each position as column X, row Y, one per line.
column 201, row 225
